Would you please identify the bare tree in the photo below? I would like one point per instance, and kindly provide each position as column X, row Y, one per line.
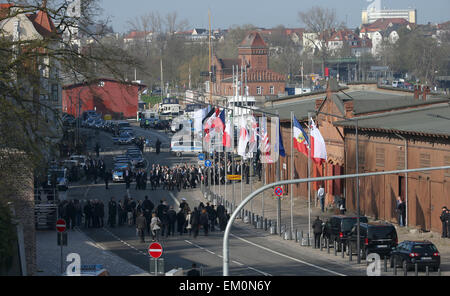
column 321, row 22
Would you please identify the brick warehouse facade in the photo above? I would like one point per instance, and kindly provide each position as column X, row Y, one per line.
column 380, row 149
column 254, row 54
column 106, row 96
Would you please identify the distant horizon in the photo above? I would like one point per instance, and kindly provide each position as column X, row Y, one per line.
column 268, row 14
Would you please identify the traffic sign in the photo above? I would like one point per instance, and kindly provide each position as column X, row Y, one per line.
column 234, row 177
column 201, row 156
column 208, row 163
column 61, row 225
column 155, row 250
column 278, row 191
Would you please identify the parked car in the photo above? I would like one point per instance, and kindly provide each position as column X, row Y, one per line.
column 80, row 159
column 60, row 177
column 424, row 253
column 118, row 171
column 125, row 139
column 339, row 228
column 377, row 238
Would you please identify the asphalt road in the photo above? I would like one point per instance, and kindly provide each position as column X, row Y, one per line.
column 252, row 252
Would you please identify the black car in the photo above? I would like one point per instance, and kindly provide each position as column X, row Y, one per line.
column 339, row 227
column 424, row 253
column 377, row 238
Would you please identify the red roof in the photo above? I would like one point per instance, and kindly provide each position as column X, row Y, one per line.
column 4, row 9
column 382, row 24
column 43, row 23
column 253, row 40
column 137, row 34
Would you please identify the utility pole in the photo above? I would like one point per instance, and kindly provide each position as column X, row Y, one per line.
column 210, row 58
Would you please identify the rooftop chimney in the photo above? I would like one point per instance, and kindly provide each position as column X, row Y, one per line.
column 349, row 109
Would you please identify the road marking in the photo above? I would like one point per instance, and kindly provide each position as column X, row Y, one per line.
column 174, row 198
column 235, row 262
column 288, row 257
column 262, row 272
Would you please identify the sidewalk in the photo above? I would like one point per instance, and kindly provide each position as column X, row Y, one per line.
column 300, row 216
column 48, row 255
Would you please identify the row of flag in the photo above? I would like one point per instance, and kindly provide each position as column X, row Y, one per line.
column 215, row 123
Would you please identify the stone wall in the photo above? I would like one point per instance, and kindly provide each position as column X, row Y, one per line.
column 16, row 186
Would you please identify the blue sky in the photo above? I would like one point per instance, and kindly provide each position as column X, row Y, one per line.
column 261, row 13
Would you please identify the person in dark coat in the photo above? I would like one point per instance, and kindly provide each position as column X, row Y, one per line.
column 87, row 214
column 107, row 177
column 160, row 209
column 172, row 215
column 165, row 223
column 112, row 211
column 445, row 215
column 147, row 207
column 158, row 146
column 222, row 218
column 212, row 214
column 317, row 229
column 101, row 214
column 195, row 220
column 181, row 220
column 71, row 214
column 193, row 271
column 141, row 224
column 204, row 221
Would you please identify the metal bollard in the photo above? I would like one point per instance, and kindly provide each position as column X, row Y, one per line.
column 296, row 235
column 439, row 271
column 395, row 265
column 342, row 250
column 328, row 245
column 335, row 248
column 265, row 224
column 427, row 270
column 321, row 243
column 405, row 271
column 385, row 263
column 350, row 252
column 416, row 269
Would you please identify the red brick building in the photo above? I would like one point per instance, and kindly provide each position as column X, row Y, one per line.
column 254, row 55
column 397, row 130
column 106, row 96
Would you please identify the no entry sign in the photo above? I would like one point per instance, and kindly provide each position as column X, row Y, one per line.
column 155, row 250
column 61, row 225
column 278, row 191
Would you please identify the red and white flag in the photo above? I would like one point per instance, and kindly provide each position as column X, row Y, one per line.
column 226, row 139
column 318, row 149
column 243, row 137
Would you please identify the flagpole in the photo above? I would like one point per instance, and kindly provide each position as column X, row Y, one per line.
column 292, row 169
column 277, row 172
column 309, row 173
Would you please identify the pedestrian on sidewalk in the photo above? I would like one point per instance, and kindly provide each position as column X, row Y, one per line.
column 317, row 228
column 321, row 197
column 445, row 215
column 188, row 224
column 141, row 224
column 181, row 220
column 401, row 210
column 204, row 221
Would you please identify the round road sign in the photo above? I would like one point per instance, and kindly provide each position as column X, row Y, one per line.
column 155, row 250
column 201, row 156
column 278, row 191
column 208, row 163
column 61, row 225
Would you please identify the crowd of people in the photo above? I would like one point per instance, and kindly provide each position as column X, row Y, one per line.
column 183, row 176
column 73, row 212
column 163, row 220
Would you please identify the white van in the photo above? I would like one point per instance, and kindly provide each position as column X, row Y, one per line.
column 179, row 148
